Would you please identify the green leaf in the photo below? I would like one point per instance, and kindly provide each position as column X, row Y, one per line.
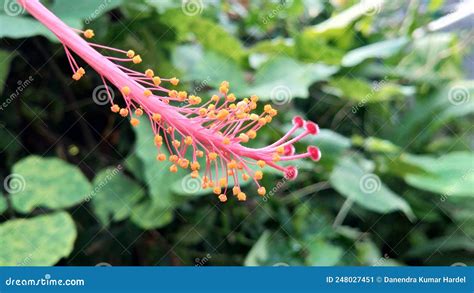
column 84, row 9
column 38, row 241
column 449, row 175
column 349, row 15
column 366, row 189
column 48, row 183
column 259, row 251
column 114, row 195
column 323, row 253
column 157, row 175
column 3, row 204
column 359, row 90
column 286, row 78
column 6, row 58
column 450, row 101
column 151, row 215
column 209, row 34
column 383, row 49
column 212, row 69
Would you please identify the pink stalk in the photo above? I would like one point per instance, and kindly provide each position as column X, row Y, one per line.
column 215, row 130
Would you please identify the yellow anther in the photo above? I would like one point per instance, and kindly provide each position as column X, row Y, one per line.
column 184, row 163
column 211, row 107
column 195, row 166
column 230, row 98
column 252, row 134
column 173, row 168
column 262, row 121
column 156, row 80
column 212, row 156
column 230, row 172
column 202, row 112
column 188, row 140
column 235, row 190
column 182, row 95
column 174, row 81
column 194, row 174
column 225, row 83
column 81, row 71
column 147, row 93
column 226, row 141
column 276, row 158
column 222, row 114
column 258, row 175
column 273, row 113
column 241, row 196
column 173, row 158
column 232, row 164
column 134, row 121
column 137, row 59
column 158, row 140
column 89, row 34
column 149, row 73
column 130, row 53
column 268, row 119
column 199, row 154
column 223, row 198
column 76, row 76
column 261, row 191
column 245, row 176
column 205, row 179
column 169, row 129
column 176, row 143
column 125, row 90
column 254, row 117
column 161, row 157
column 254, row 98
column 267, row 108
column 252, row 106
column 115, row 108
column 216, row 190
column 261, row 163
column 280, row 150
column 173, row 94
column 215, row 98
column 156, row 117
column 223, row 182
column 223, row 89
column 243, row 137
column 138, row 112
column 232, row 106
column 123, row 112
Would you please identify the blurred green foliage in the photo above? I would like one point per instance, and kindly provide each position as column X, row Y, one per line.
column 394, row 185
